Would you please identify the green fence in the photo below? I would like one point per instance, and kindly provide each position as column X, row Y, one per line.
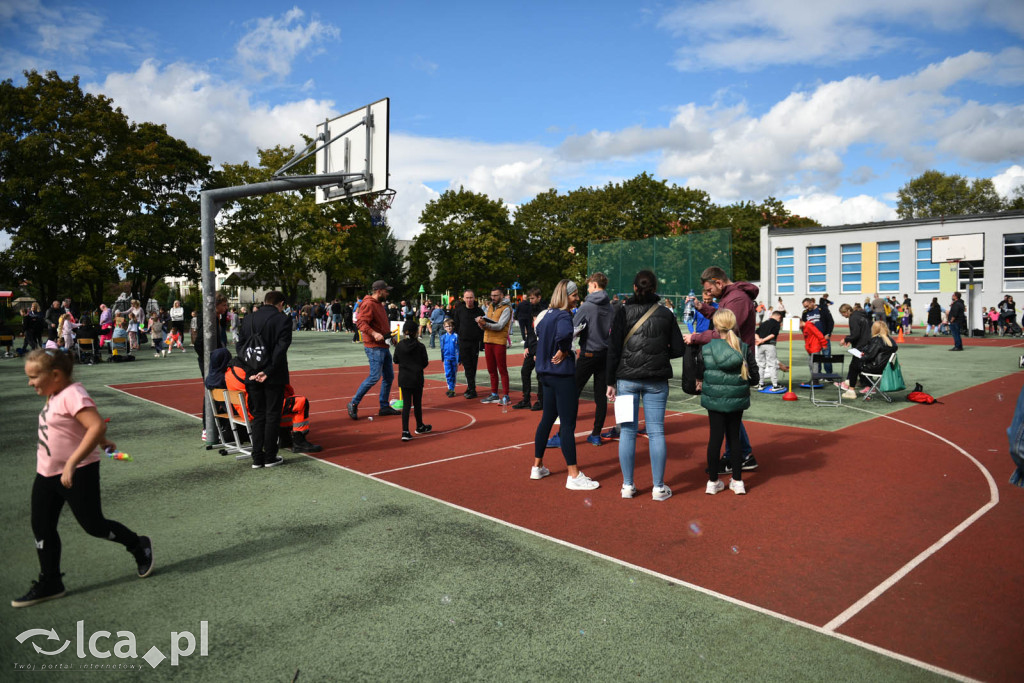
column 677, row 261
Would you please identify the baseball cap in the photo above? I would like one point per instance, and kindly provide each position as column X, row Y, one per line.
column 380, row 284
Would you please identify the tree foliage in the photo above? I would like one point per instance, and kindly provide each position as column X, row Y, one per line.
column 934, row 194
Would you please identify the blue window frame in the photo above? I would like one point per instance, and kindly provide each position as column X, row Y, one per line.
column 888, row 267
column 784, row 271
column 816, row 272
column 850, row 255
column 927, row 272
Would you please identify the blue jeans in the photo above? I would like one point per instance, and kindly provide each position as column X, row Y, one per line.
column 380, row 365
column 954, row 329
column 745, row 449
column 654, row 395
column 434, row 331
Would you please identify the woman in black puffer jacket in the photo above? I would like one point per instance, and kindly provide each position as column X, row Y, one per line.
column 640, row 366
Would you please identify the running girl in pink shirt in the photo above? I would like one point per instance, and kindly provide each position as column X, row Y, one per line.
column 68, row 471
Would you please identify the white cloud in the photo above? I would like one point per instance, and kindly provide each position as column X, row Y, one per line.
column 1009, row 180
column 830, row 209
column 751, row 34
column 274, row 42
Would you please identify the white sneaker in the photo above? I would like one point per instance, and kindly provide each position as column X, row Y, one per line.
column 539, row 472
column 156, row 355
column 628, row 490
column 580, row 482
column 661, row 493
column 737, row 487
column 714, row 487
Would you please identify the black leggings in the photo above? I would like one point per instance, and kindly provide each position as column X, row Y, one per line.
column 48, row 498
column 559, row 401
column 724, row 425
column 412, row 397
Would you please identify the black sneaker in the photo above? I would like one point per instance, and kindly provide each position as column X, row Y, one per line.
column 406, row 436
column 353, row 411
column 525, row 403
column 144, row 556
column 470, row 393
column 537, row 406
column 278, row 460
column 384, row 412
column 424, row 429
column 450, row 393
column 41, row 591
column 749, row 464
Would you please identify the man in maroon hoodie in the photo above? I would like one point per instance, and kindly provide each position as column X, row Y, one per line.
column 738, row 297
column 373, row 323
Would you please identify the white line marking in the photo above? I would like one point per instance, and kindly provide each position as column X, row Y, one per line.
column 671, row 579
column 858, row 606
column 182, row 412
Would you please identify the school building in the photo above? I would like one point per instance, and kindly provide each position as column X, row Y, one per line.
column 852, row 262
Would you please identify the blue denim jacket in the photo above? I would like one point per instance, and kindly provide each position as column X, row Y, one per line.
column 1016, row 436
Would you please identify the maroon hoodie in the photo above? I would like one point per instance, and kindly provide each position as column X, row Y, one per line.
column 739, row 298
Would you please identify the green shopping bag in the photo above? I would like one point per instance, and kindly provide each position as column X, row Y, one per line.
column 892, row 377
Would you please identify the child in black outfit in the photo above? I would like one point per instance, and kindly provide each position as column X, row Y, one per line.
column 411, row 359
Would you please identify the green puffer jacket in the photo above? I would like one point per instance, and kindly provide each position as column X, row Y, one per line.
column 724, row 389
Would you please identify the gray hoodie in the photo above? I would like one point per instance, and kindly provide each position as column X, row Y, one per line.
column 597, row 311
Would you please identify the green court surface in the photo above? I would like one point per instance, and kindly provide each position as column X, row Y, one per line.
column 340, row 576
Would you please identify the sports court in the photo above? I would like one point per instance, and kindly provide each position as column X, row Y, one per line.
column 877, row 541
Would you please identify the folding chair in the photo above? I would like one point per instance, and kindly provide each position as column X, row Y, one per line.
column 239, row 415
column 6, row 342
column 875, row 379
column 820, row 359
column 87, row 350
column 120, row 347
column 228, row 438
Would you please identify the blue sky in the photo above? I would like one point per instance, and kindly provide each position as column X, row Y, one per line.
column 829, row 106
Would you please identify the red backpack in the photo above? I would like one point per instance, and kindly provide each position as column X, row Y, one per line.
column 918, row 395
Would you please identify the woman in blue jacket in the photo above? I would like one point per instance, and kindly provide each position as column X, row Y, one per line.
column 556, row 371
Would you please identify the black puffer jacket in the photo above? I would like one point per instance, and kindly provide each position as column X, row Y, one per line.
column 648, row 354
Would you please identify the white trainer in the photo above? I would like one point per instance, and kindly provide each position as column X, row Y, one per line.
column 661, row 493
column 580, row 482
column 628, row 490
column 539, row 472
column 714, row 487
column 737, row 487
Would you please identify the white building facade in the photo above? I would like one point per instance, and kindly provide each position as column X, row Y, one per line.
column 851, row 263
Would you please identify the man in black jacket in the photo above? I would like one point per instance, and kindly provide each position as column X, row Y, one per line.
column 265, row 389
column 957, row 321
column 471, row 336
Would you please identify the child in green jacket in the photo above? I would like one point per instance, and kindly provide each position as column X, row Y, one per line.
column 725, row 394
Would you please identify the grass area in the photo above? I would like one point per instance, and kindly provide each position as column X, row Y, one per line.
column 314, row 568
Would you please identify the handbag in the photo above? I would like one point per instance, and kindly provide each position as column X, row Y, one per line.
column 892, row 377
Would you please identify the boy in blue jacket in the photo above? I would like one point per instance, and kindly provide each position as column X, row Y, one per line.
column 450, row 355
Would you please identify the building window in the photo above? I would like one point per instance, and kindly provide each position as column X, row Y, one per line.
column 816, row 270
column 784, row 270
column 1013, row 262
column 888, row 267
column 850, row 282
column 927, row 272
column 965, row 275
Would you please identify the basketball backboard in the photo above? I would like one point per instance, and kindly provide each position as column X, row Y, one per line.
column 356, row 144
column 958, row 248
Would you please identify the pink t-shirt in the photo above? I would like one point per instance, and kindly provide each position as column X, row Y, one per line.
column 60, row 433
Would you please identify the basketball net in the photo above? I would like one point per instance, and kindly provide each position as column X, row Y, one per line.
column 378, row 205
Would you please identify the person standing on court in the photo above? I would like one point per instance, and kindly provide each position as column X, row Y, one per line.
column 596, row 311
column 471, row 336
column 373, row 323
column 436, row 323
column 957, row 321
column 265, row 389
column 739, row 298
column 178, row 318
column 499, row 312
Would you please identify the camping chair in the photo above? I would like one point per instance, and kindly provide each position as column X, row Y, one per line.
column 6, row 342
column 836, row 375
column 239, row 415
column 875, row 379
column 228, row 437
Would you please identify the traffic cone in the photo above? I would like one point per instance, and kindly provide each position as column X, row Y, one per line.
column 899, row 337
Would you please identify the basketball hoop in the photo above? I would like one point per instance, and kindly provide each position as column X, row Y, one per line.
column 378, row 204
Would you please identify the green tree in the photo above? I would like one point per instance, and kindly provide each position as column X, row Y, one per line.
column 62, row 186
column 284, row 237
column 468, row 240
column 1016, row 202
column 934, row 194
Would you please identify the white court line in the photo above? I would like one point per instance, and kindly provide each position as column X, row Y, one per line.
column 492, row 450
column 671, row 579
column 197, row 417
column 871, row 596
column 163, row 385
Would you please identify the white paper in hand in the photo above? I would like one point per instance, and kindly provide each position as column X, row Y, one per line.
column 856, row 352
column 623, row 408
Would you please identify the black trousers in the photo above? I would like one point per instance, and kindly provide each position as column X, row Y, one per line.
column 525, row 373
column 469, row 354
column 265, row 404
column 594, row 365
column 412, row 398
column 48, row 498
column 724, row 426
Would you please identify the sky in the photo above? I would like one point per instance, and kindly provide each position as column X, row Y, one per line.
column 829, row 106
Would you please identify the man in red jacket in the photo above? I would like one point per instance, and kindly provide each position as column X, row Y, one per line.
column 739, row 298
column 372, row 321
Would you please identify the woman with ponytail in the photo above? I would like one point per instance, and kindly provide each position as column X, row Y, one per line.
column 725, row 394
